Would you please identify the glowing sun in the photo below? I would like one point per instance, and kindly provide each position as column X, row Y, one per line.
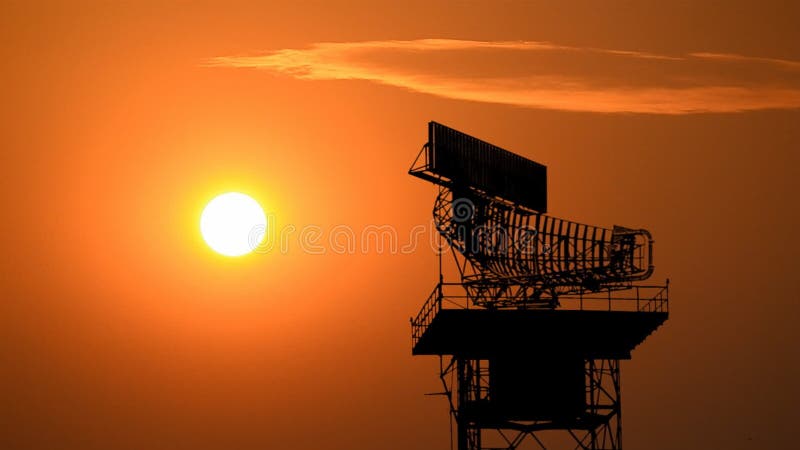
column 233, row 224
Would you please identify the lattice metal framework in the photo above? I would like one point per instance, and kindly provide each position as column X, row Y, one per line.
column 467, row 387
column 508, row 255
column 512, row 256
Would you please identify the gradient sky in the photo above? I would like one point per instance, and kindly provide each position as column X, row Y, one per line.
column 121, row 329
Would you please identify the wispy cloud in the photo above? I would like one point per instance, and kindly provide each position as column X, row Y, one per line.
column 793, row 65
column 546, row 75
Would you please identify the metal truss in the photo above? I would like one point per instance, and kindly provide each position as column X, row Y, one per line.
column 504, row 251
column 467, row 387
column 490, row 211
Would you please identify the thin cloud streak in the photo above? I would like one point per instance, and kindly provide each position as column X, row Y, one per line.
column 795, row 65
column 694, row 84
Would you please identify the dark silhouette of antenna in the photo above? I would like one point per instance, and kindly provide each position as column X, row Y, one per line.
column 530, row 337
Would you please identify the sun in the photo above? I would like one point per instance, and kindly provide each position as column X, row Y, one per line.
column 233, row 224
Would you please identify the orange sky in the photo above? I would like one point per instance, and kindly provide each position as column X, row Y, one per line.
column 120, row 329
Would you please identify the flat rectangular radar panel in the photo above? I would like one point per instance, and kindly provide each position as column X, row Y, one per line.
column 468, row 161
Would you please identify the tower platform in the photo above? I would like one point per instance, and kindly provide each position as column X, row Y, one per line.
column 593, row 327
column 479, row 333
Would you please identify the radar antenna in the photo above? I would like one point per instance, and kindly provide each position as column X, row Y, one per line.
column 531, row 335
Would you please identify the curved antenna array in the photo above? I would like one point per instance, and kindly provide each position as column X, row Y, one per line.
column 537, row 256
column 491, row 211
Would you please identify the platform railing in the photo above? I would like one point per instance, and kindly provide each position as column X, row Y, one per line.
column 429, row 310
column 638, row 298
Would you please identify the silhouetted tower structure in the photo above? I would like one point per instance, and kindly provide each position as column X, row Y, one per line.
column 531, row 335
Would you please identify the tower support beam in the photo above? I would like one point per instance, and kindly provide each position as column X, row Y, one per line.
column 481, row 424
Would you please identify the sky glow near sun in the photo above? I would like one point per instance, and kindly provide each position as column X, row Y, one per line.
column 233, row 224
